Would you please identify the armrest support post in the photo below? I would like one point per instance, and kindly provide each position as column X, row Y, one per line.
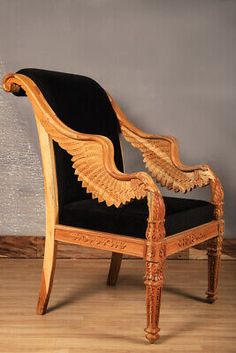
column 217, row 197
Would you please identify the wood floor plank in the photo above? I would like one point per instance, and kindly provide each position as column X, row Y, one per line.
column 87, row 316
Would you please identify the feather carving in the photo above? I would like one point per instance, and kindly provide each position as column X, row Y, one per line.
column 157, row 156
column 88, row 162
column 92, row 155
column 161, row 157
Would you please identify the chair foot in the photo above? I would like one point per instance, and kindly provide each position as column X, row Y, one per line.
column 114, row 270
column 47, row 276
column 152, row 337
column 211, row 297
column 40, row 310
column 43, row 298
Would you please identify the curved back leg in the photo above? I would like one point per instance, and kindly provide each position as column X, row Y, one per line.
column 47, row 276
column 113, row 274
column 51, row 201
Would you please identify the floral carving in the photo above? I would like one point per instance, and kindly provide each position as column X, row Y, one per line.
column 197, row 236
column 154, row 273
column 98, row 241
column 155, row 230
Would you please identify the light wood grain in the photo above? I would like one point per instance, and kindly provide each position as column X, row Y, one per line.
column 87, row 316
column 51, row 205
column 100, row 240
column 93, row 161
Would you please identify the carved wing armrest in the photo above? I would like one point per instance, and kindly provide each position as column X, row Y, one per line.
column 161, row 157
column 92, row 155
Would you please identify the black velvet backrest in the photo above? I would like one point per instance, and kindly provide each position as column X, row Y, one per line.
column 83, row 105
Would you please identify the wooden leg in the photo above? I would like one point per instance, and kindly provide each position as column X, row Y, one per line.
column 153, row 282
column 114, row 269
column 47, row 274
column 214, row 259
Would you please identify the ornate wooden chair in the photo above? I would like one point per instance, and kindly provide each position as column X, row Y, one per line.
column 91, row 202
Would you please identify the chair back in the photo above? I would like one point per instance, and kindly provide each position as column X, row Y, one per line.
column 83, row 105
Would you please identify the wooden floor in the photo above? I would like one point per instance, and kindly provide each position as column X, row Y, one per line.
column 86, row 316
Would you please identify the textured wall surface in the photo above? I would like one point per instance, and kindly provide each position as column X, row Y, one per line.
column 21, row 181
column 169, row 63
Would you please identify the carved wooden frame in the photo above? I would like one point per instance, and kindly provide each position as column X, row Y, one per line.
column 162, row 160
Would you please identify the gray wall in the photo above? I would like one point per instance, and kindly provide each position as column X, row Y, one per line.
column 170, row 65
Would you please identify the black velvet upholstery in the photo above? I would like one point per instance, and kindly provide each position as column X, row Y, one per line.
column 84, row 106
column 131, row 219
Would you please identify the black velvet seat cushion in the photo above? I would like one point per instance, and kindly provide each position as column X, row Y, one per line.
column 131, row 219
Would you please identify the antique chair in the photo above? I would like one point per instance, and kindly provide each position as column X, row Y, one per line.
column 91, row 202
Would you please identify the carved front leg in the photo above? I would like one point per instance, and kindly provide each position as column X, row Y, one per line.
column 154, row 260
column 214, row 259
column 153, row 282
column 214, row 249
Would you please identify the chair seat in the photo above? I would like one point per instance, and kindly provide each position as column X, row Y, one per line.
column 131, row 219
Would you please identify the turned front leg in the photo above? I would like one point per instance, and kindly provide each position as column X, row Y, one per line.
column 154, row 283
column 214, row 259
column 154, row 260
column 214, row 249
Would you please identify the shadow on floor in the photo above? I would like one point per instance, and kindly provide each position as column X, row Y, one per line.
column 79, row 293
column 183, row 293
